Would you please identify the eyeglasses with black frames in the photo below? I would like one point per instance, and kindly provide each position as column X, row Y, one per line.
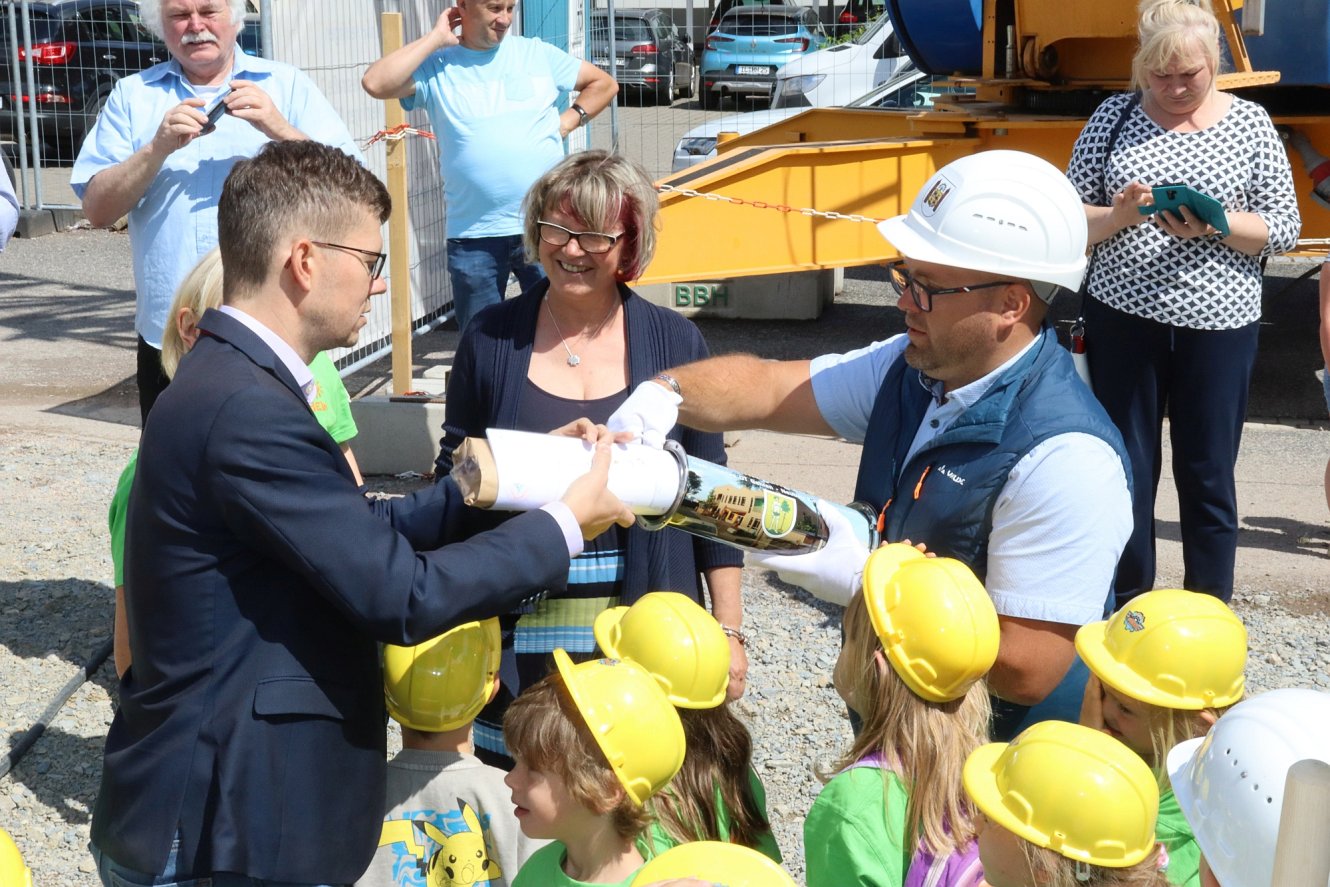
column 923, row 294
column 590, row 241
column 375, row 269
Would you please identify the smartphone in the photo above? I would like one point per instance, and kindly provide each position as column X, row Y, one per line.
column 215, row 113
column 1171, row 197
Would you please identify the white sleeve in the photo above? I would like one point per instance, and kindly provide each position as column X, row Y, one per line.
column 845, row 386
column 1059, row 527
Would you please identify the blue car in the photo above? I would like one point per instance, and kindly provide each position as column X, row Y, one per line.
column 750, row 44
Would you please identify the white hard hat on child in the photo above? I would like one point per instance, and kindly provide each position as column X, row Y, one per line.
column 1001, row 212
column 1230, row 783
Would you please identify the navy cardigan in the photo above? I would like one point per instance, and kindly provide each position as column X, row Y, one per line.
column 485, row 387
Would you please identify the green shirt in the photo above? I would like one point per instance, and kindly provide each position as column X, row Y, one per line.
column 656, row 840
column 116, row 517
column 331, row 404
column 855, row 834
column 545, row 869
column 1172, row 830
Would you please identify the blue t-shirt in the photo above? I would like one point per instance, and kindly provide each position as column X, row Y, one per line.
column 498, row 128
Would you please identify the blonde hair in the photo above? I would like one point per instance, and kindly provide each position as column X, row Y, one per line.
column 1173, row 29
column 544, row 729
column 1168, row 727
column 715, row 768
column 915, row 737
column 1051, row 869
column 200, row 290
column 602, row 191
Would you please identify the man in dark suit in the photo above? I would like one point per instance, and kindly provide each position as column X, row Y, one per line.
column 249, row 744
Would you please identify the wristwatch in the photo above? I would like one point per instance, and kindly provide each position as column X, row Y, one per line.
column 582, row 115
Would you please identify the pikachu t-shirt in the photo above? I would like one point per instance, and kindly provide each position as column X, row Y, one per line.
column 450, row 824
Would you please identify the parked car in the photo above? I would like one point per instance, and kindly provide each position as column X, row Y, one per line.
column 80, row 48
column 910, row 88
column 857, row 13
column 839, row 74
column 751, row 42
column 725, row 6
column 651, row 56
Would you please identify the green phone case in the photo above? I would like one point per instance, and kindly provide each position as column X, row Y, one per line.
column 1204, row 207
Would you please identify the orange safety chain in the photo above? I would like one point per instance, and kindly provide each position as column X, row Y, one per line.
column 762, row 204
column 397, row 133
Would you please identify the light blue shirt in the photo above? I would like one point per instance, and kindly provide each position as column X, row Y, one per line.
column 8, row 209
column 494, row 115
column 175, row 223
column 1062, row 518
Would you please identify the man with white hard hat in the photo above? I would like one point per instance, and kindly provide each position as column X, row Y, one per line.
column 979, row 439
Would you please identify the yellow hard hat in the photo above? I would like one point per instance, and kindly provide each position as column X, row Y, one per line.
column 934, row 619
column 1171, row 648
column 733, row 865
column 13, row 870
column 1074, row 790
column 636, row 727
column 680, row 643
column 443, row 683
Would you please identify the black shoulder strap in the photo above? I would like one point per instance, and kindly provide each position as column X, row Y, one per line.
column 1113, row 138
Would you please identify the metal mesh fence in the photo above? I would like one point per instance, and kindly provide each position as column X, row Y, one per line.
column 61, row 59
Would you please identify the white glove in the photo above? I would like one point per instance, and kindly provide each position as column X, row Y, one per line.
column 833, row 573
column 649, row 413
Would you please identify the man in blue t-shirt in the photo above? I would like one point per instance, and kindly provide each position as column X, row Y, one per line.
column 491, row 101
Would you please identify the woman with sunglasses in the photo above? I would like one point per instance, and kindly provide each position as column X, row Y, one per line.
column 574, row 345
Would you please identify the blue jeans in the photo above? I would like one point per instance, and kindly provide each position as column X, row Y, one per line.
column 113, row 874
column 478, row 268
column 1325, row 386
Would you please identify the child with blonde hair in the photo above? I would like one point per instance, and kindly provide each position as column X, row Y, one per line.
column 1062, row 805
column 716, row 796
column 919, row 637
column 1163, row 669
column 592, row 742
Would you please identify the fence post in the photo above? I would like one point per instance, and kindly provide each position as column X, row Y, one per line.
column 398, row 233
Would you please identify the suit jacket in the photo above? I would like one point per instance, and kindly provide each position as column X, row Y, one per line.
column 259, row 579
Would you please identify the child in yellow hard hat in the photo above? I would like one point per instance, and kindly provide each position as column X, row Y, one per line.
column 1163, row 669
column 1063, row 805
column 919, row 637
column 717, row 796
column 591, row 742
column 447, row 809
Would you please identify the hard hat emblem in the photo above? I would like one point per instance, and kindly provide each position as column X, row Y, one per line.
column 936, row 194
column 1134, row 620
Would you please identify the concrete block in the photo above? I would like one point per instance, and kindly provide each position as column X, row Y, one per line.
column 38, row 222
column 802, row 295
column 399, row 433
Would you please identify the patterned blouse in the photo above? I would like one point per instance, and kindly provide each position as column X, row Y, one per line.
column 1199, row 283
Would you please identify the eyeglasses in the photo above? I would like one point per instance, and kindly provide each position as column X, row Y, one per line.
column 589, row 241
column 922, row 293
column 375, row 270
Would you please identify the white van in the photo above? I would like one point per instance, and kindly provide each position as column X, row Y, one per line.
column 841, row 73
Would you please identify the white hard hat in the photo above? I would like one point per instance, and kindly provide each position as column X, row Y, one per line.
column 1230, row 783
column 1003, row 212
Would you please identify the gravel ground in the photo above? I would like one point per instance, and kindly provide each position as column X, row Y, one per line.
column 65, row 437
column 55, row 610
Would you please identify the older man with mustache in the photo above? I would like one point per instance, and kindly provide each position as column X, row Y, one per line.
column 155, row 156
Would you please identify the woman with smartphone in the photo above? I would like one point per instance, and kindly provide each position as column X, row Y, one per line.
column 1172, row 302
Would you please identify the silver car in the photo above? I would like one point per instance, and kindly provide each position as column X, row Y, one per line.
column 653, row 59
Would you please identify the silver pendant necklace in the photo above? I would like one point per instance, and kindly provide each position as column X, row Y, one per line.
column 573, row 359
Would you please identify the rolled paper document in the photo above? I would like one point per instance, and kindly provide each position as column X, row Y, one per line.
column 519, row 471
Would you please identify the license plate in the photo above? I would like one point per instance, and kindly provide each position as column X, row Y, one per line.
column 601, row 62
column 752, row 69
